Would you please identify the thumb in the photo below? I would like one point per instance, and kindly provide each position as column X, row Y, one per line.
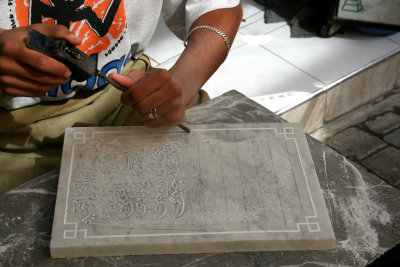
column 123, row 80
column 137, row 75
column 128, row 81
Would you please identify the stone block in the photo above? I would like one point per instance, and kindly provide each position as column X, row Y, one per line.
column 310, row 114
column 355, row 143
column 393, row 138
column 221, row 188
column 384, row 124
column 386, row 164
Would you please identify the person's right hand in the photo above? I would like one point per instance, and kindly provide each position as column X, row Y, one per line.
column 25, row 72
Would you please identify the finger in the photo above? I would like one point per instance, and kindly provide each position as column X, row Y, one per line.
column 146, row 116
column 22, row 71
column 42, row 77
column 131, row 81
column 42, row 63
column 19, row 52
column 152, row 114
column 57, row 31
column 171, row 112
column 14, row 48
column 128, row 80
column 166, row 121
column 170, row 93
column 165, row 116
column 34, row 88
column 145, row 86
column 137, row 75
column 122, row 80
column 20, row 92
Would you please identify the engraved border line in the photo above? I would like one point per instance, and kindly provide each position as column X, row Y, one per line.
column 195, row 233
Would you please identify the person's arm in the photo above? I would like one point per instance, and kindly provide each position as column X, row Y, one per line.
column 24, row 72
column 205, row 50
column 170, row 92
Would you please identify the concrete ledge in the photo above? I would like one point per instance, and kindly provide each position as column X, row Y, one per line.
column 361, row 89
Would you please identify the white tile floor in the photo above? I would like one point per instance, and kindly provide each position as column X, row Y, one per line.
column 275, row 70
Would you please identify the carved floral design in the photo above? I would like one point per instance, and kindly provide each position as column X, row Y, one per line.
column 125, row 193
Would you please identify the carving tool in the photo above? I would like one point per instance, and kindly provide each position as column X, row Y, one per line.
column 82, row 66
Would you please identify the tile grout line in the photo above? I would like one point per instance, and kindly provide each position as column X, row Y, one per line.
column 169, row 59
column 244, row 26
column 394, row 41
column 238, row 46
column 256, row 13
column 290, row 63
column 152, row 59
column 250, row 16
column 267, row 32
column 177, row 55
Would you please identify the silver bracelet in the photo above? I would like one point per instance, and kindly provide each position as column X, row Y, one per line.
column 226, row 40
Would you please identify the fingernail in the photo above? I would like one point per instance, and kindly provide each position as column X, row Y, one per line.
column 67, row 74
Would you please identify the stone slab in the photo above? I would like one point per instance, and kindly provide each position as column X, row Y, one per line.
column 384, row 124
column 364, row 211
column 393, row 138
column 386, row 164
column 356, row 143
column 221, row 188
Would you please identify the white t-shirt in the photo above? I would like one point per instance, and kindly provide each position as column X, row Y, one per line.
column 108, row 29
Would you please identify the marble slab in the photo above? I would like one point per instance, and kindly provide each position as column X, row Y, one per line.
column 221, row 188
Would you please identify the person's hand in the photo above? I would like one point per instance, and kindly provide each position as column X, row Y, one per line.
column 25, row 72
column 153, row 94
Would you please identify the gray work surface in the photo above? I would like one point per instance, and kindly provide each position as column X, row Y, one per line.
column 364, row 211
column 222, row 188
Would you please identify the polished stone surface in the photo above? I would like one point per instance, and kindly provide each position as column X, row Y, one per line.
column 221, row 188
column 364, row 211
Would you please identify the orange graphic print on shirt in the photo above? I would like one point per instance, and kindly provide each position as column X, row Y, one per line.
column 94, row 21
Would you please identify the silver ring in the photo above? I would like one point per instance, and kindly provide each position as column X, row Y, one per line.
column 154, row 113
column 151, row 116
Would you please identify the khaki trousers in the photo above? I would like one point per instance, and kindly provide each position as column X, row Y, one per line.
column 31, row 138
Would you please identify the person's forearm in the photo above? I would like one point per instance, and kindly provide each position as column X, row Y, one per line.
column 206, row 50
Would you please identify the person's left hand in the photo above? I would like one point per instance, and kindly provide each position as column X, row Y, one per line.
column 154, row 93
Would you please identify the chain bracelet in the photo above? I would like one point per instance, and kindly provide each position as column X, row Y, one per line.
column 226, row 40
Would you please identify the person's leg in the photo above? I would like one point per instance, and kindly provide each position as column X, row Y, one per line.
column 18, row 168
column 31, row 138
